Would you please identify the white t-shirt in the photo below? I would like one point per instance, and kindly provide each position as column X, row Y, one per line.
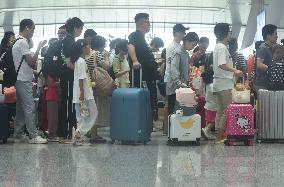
column 81, row 72
column 40, row 81
column 21, row 48
column 211, row 100
column 223, row 80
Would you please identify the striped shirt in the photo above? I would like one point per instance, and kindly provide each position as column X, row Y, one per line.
column 93, row 60
column 239, row 61
column 90, row 62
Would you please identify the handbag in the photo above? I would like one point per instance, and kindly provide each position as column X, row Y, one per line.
column 275, row 76
column 10, row 93
column 103, row 82
column 241, row 93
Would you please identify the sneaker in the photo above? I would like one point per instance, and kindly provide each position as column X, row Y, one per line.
column 20, row 139
column 220, row 141
column 38, row 140
column 53, row 139
column 205, row 133
column 77, row 140
column 65, row 141
column 220, row 136
column 211, row 137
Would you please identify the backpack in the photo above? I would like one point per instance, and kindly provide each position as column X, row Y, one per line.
column 53, row 61
column 104, row 83
column 9, row 68
column 275, row 75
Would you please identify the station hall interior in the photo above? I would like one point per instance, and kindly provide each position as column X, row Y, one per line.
column 155, row 163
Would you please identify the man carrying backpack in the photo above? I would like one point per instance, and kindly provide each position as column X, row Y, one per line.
column 24, row 63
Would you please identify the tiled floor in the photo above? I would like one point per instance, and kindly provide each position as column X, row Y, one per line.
column 155, row 164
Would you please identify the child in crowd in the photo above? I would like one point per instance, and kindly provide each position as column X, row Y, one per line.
column 120, row 64
column 210, row 105
column 85, row 106
column 52, row 99
column 278, row 53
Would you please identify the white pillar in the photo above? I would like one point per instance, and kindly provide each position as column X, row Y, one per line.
column 251, row 25
column 236, row 18
column 274, row 12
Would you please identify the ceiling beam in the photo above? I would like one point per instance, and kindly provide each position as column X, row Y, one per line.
column 138, row 7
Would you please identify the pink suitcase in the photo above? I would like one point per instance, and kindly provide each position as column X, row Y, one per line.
column 239, row 124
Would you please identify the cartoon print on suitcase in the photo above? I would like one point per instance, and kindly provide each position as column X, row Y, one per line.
column 184, row 129
column 240, row 123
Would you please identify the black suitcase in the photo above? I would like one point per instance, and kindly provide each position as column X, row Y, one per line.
column 4, row 123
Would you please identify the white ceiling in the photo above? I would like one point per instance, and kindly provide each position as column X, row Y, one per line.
column 105, row 14
column 116, row 11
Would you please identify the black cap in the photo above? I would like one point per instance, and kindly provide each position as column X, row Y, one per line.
column 179, row 28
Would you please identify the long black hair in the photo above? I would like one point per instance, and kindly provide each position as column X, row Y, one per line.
column 73, row 23
column 5, row 40
column 77, row 49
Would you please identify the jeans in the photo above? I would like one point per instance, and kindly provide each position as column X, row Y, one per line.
column 25, row 109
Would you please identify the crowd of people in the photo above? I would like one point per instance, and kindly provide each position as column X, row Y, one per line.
column 76, row 108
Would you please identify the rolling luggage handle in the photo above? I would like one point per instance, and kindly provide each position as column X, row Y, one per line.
column 140, row 78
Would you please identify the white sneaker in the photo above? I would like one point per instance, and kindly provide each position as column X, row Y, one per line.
column 77, row 140
column 38, row 140
column 205, row 133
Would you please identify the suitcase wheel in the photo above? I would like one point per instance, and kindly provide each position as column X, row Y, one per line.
column 248, row 142
column 112, row 141
column 197, row 143
column 229, row 142
column 4, row 140
column 172, row 142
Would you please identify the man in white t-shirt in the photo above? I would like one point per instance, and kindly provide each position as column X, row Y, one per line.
column 25, row 107
column 224, row 73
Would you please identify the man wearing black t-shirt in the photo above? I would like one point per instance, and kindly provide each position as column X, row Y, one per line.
column 141, row 56
column 264, row 56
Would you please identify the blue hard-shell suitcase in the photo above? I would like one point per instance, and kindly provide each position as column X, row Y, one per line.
column 131, row 116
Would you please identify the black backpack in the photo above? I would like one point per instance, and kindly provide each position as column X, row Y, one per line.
column 9, row 67
column 275, row 76
column 53, row 60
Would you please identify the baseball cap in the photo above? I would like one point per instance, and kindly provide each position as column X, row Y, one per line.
column 179, row 28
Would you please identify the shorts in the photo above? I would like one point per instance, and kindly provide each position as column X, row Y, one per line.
column 210, row 116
